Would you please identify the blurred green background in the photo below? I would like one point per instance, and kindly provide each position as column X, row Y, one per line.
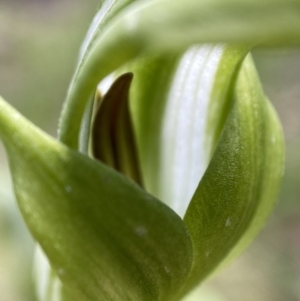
column 39, row 43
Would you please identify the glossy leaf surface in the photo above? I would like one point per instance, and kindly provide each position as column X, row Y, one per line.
column 240, row 186
column 105, row 237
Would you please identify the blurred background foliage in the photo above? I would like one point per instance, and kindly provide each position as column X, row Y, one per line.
column 39, row 43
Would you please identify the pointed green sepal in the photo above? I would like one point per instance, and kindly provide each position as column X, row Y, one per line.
column 240, row 186
column 105, row 237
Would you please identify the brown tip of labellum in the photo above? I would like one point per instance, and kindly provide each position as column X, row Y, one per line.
column 113, row 140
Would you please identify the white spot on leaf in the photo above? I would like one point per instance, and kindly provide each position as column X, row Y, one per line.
column 166, row 269
column 68, row 188
column 273, row 139
column 60, row 272
column 141, row 231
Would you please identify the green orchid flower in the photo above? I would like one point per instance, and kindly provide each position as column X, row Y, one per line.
column 169, row 155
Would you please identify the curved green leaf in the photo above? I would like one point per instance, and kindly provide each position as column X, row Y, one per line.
column 105, row 237
column 166, row 26
column 271, row 163
column 240, row 186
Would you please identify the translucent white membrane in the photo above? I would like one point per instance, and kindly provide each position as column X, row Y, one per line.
column 185, row 145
